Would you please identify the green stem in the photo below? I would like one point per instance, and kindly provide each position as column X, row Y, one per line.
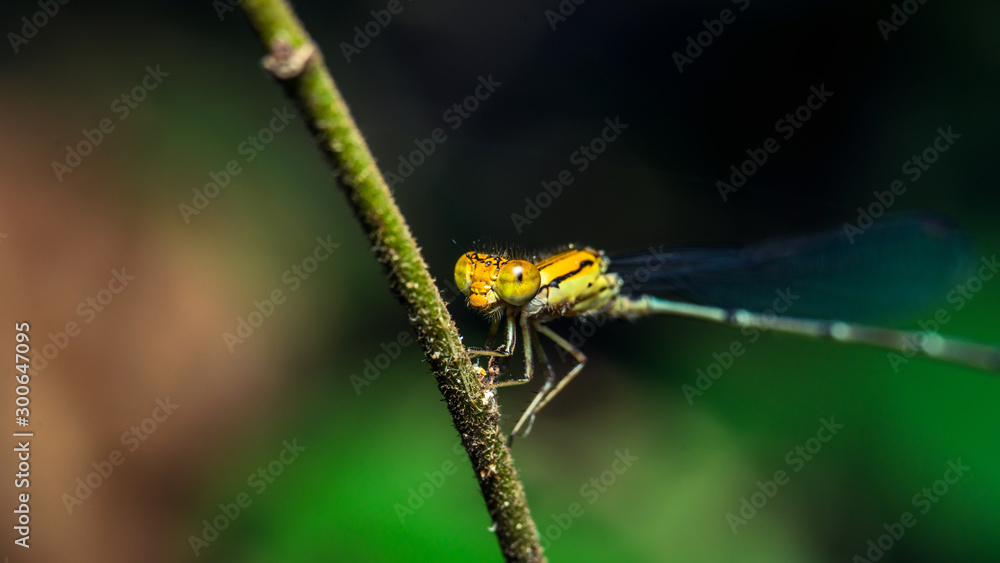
column 297, row 63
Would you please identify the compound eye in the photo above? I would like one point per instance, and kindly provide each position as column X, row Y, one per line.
column 463, row 274
column 518, row 282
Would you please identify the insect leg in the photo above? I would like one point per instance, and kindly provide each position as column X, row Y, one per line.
column 581, row 360
column 529, row 367
column 528, row 418
column 503, row 351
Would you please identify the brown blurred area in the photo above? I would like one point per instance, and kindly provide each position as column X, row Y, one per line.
column 158, row 339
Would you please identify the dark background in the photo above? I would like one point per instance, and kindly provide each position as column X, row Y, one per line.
column 369, row 448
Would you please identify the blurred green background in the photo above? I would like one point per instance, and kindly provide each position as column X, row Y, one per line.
column 373, row 452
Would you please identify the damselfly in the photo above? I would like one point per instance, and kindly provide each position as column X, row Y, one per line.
column 831, row 282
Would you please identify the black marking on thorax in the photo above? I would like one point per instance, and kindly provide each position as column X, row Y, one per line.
column 556, row 281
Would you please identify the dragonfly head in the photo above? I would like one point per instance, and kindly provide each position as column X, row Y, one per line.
column 491, row 281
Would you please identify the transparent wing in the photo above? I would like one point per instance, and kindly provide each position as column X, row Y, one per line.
column 898, row 267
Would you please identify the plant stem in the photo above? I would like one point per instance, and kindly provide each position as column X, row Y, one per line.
column 298, row 65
